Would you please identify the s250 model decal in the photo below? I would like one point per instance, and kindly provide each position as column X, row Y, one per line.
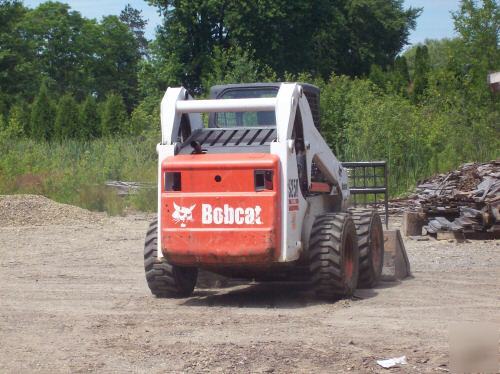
column 293, row 194
column 293, row 188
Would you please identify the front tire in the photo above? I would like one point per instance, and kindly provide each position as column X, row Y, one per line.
column 334, row 256
column 165, row 279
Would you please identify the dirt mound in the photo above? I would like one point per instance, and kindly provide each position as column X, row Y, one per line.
column 35, row 210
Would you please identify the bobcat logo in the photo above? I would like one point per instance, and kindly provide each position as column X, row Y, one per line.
column 182, row 214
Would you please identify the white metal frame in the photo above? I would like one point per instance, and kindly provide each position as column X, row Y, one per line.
column 177, row 102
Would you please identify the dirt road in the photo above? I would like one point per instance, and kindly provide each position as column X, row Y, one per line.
column 73, row 299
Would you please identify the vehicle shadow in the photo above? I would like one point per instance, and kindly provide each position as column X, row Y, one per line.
column 286, row 295
column 255, row 295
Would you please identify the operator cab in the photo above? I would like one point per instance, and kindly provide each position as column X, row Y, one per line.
column 243, row 132
column 251, row 91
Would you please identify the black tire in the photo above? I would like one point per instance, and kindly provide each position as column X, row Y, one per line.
column 334, row 256
column 164, row 279
column 371, row 246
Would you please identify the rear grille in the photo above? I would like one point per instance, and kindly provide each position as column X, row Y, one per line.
column 222, row 140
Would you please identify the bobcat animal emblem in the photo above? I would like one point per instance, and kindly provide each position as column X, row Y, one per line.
column 183, row 214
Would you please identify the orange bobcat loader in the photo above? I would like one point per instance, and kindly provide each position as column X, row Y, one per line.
column 257, row 194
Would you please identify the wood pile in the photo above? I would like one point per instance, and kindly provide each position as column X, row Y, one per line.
column 463, row 203
column 129, row 188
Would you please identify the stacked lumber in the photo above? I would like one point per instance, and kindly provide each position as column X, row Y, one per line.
column 129, row 188
column 464, row 201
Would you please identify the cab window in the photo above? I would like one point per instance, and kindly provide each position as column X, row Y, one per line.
column 246, row 119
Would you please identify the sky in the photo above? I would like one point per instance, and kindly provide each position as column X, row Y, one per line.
column 434, row 23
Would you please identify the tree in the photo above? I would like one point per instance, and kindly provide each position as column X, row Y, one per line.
column 136, row 23
column 64, row 44
column 422, row 68
column 399, row 76
column 378, row 76
column 478, row 24
column 118, row 61
column 318, row 37
column 114, row 116
column 479, row 27
column 81, row 56
column 42, row 115
column 67, row 125
column 16, row 74
column 89, row 119
column 162, row 70
column 235, row 65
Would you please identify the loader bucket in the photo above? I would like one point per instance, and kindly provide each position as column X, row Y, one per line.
column 396, row 263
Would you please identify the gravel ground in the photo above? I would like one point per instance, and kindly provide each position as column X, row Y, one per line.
column 74, row 299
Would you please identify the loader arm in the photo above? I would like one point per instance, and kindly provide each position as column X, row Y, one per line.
column 319, row 151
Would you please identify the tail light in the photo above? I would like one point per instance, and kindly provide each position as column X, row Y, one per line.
column 173, row 181
column 263, row 180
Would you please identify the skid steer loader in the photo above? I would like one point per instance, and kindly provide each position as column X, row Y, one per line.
column 257, row 194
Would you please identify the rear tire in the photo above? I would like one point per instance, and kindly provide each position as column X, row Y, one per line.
column 371, row 246
column 165, row 279
column 334, row 256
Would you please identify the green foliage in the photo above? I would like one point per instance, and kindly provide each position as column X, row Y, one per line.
column 3, row 123
column 136, row 23
column 42, row 115
column 479, row 28
column 362, row 123
column 335, row 106
column 80, row 56
column 20, row 115
column 399, row 78
column 235, row 65
column 14, row 127
column 119, row 58
column 440, row 52
column 114, row 116
column 67, row 125
column 89, row 119
column 140, row 121
column 378, row 76
column 319, row 37
column 61, row 40
column 16, row 56
column 75, row 172
column 420, row 78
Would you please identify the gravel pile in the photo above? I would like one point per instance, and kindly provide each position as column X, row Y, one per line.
column 35, row 210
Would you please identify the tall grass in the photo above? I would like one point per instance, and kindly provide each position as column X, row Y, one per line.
column 75, row 172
